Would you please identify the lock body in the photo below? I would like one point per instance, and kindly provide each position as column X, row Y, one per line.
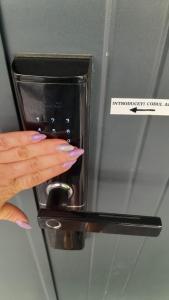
column 53, row 95
column 53, row 98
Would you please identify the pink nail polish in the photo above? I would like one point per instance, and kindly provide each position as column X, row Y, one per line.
column 76, row 152
column 23, row 225
column 38, row 137
column 65, row 147
column 68, row 164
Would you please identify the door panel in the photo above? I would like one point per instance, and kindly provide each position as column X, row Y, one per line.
column 25, row 272
column 128, row 154
column 62, row 36
column 152, row 259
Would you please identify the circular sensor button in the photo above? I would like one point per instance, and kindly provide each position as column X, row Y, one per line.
column 60, row 185
column 54, row 224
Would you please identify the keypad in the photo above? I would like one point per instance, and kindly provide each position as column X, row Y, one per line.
column 57, row 113
column 50, row 127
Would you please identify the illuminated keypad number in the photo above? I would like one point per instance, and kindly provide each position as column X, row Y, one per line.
column 67, row 120
column 68, row 131
column 52, row 120
column 37, row 119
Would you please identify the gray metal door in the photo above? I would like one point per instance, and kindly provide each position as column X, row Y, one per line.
column 129, row 163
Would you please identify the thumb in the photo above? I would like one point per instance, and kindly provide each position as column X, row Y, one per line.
column 10, row 212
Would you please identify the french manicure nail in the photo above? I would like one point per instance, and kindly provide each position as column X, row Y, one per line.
column 76, row 152
column 23, row 225
column 65, row 147
column 38, row 137
column 69, row 164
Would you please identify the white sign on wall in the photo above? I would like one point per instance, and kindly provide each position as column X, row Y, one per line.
column 136, row 106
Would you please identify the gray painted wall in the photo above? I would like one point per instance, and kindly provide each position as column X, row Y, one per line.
column 129, row 163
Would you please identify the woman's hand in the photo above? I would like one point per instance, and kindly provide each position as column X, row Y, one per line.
column 27, row 159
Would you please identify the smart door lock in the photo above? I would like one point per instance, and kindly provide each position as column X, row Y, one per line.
column 53, row 94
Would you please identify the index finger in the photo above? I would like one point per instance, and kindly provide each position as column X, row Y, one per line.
column 19, row 138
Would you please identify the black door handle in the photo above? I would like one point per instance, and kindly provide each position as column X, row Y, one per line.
column 83, row 221
column 60, row 221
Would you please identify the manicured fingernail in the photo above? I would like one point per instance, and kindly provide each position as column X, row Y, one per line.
column 65, row 147
column 23, row 225
column 69, row 164
column 38, row 137
column 76, row 152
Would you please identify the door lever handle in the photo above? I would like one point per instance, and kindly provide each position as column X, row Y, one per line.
column 66, row 227
column 83, row 221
